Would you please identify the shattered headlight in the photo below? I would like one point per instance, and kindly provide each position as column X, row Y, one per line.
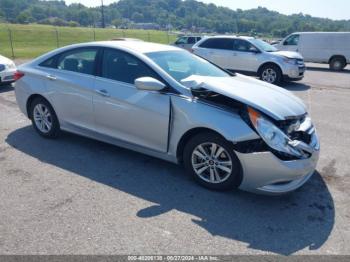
column 272, row 135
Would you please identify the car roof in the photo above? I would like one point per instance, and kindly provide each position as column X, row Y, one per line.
column 136, row 46
column 230, row 36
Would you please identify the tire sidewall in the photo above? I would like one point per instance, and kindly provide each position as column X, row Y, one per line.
column 235, row 177
column 55, row 124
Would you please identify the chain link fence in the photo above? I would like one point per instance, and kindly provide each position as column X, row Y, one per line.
column 31, row 41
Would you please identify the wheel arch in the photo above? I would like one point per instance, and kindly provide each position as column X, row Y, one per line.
column 269, row 63
column 336, row 56
column 30, row 100
column 187, row 136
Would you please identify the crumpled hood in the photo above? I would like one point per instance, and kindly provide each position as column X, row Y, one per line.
column 288, row 54
column 272, row 100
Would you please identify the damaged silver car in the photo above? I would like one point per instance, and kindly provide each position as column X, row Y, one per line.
column 228, row 130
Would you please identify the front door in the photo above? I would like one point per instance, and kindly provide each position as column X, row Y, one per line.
column 245, row 56
column 122, row 111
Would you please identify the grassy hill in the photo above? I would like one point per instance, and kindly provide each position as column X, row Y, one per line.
column 32, row 40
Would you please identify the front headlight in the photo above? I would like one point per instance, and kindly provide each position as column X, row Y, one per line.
column 272, row 135
column 2, row 67
column 291, row 61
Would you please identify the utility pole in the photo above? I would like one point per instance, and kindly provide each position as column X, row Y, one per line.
column 102, row 15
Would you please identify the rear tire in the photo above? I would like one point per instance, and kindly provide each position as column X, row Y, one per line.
column 337, row 64
column 211, row 161
column 271, row 73
column 44, row 119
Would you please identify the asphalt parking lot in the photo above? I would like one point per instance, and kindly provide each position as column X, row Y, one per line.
column 78, row 196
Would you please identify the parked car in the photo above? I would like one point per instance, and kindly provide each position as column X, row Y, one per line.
column 228, row 130
column 186, row 42
column 251, row 56
column 320, row 47
column 7, row 70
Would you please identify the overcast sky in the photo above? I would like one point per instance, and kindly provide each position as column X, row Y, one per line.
column 335, row 9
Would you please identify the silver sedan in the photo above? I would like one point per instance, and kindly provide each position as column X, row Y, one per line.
column 227, row 130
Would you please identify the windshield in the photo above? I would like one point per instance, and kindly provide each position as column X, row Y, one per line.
column 262, row 45
column 182, row 64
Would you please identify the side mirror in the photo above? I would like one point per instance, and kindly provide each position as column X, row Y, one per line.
column 148, row 84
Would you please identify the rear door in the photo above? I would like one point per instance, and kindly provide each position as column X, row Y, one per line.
column 191, row 40
column 218, row 51
column 70, row 83
column 122, row 111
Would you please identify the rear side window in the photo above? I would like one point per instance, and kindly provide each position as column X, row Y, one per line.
column 79, row 60
column 218, row 43
column 50, row 63
column 120, row 66
column 292, row 40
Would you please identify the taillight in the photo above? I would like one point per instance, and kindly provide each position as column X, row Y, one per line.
column 18, row 75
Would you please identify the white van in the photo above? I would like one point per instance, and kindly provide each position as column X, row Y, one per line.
column 332, row 48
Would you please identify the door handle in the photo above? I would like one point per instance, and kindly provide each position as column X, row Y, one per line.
column 51, row 77
column 234, row 54
column 102, row 92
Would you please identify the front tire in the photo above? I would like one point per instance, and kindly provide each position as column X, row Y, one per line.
column 44, row 119
column 211, row 161
column 271, row 74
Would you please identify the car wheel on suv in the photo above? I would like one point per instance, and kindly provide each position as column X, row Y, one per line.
column 271, row 73
column 211, row 161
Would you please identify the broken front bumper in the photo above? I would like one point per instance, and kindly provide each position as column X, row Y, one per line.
column 264, row 173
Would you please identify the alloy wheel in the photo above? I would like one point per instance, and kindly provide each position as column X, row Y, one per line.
column 212, row 163
column 42, row 118
column 269, row 75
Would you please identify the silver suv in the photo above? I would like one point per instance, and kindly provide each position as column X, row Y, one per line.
column 251, row 56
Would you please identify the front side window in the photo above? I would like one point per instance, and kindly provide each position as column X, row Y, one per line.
column 263, row 45
column 181, row 41
column 182, row 64
column 120, row 66
column 218, row 43
column 292, row 40
column 244, row 46
column 80, row 61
